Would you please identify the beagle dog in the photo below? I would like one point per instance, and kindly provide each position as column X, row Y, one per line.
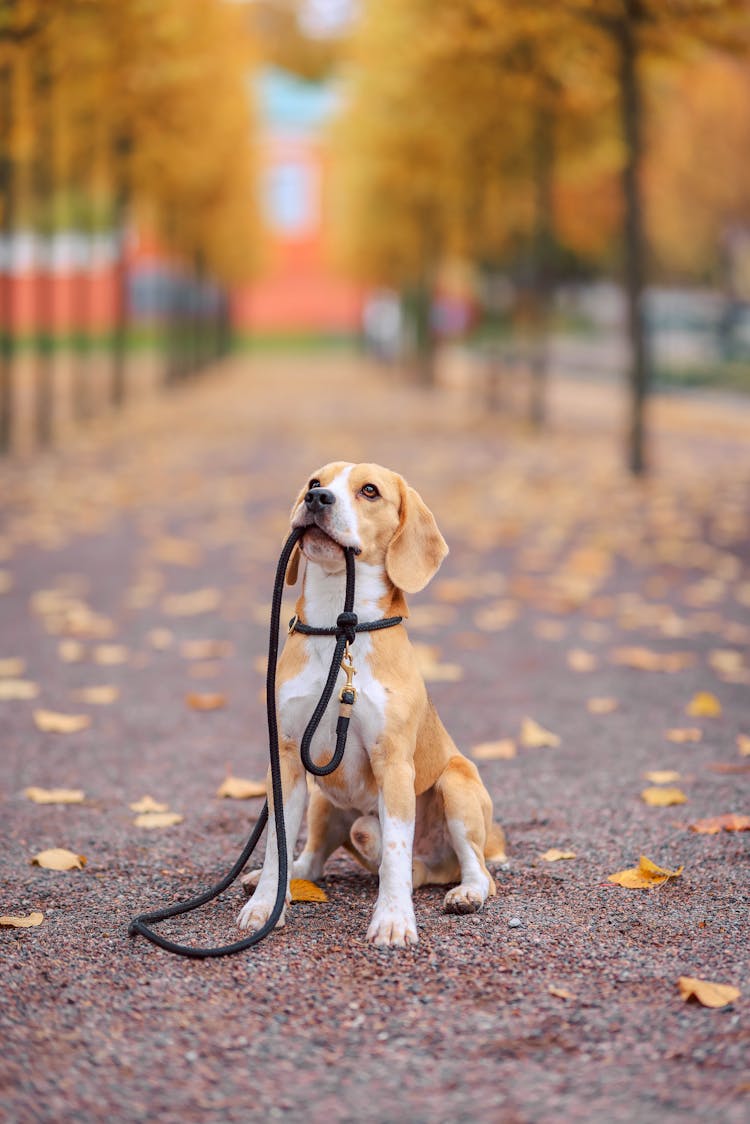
column 403, row 801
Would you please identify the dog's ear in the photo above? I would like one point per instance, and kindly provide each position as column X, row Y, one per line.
column 416, row 550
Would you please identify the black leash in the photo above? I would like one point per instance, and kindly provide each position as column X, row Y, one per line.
column 345, row 632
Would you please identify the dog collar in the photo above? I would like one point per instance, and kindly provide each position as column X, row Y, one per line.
column 346, row 625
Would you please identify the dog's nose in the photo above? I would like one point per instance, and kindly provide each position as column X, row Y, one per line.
column 319, row 498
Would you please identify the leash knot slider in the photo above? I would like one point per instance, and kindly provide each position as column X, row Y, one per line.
column 345, row 630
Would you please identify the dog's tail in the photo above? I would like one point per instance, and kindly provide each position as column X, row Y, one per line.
column 494, row 848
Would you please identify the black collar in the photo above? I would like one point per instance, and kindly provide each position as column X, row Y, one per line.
column 346, row 625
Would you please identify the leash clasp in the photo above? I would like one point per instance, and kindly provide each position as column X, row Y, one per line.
column 293, row 624
column 348, row 692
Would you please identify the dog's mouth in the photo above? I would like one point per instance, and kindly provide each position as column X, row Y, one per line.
column 316, row 543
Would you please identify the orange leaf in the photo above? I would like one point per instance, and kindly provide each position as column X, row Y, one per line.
column 743, row 744
column 662, row 776
column 304, row 891
column 12, row 667
column 157, row 819
column 553, row 855
column 708, row 994
column 602, row 705
column 645, row 660
column 534, row 736
column 148, row 804
column 18, row 689
column 645, row 876
column 206, row 701
column 53, row 723
column 55, row 795
column 560, row 993
column 731, row 821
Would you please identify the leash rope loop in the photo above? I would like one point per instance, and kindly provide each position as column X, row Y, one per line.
column 140, row 925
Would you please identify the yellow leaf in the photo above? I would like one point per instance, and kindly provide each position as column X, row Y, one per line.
column 12, row 667
column 534, row 736
column 707, row 993
column 110, row 654
column 743, row 744
column 703, row 705
column 644, row 876
column 502, row 750
column 236, row 788
column 148, row 804
column 98, row 696
column 157, row 819
column 27, row 922
column 205, row 701
column 53, row 723
column 55, row 795
column 663, row 797
column 304, row 891
column 580, row 660
column 18, row 689
column 662, row 776
column 690, row 734
column 602, row 705
column 553, row 855
column 560, row 992
column 58, row 858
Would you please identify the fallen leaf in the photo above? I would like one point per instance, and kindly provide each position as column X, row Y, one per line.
column 743, row 745
column 602, row 705
column 735, row 767
column 160, row 638
column 534, row 736
column 502, row 750
column 55, row 795
column 643, row 659
column 703, row 705
column 110, row 654
column 71, row 651
column 726, row 660
column 98, row 696
column 304, row 891
column 690, row 734
column 177, row 552
column 237, row 788
column 51, row 722
column 205, row 649
column 730, row 821
column 58, row 858
column 644, row 876
column 191, row 604
column 18, row 689
column 6, row 581
column 548, row 629
column 662, row 776
column 148, row 804
column 205, row 700
column 580, row 660
column 12, row 667
column 554, row 856
column 708, row 994
column 157, row 819
column 207, row 669
column 27, row 922
column 663, row 797
column 560, row 992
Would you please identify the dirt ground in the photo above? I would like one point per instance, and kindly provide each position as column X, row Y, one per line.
column 566, row 583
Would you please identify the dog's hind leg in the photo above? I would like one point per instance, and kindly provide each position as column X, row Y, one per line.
column 327, row 828
column 468, row 818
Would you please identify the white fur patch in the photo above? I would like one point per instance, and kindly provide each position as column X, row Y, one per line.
column 473, row 878
column 393, row 922
column 256, row 912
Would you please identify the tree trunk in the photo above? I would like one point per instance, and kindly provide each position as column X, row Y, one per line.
column 420, row 302
column 7, row 309
column 634, row 242
column 541, row 275
column 44, row 188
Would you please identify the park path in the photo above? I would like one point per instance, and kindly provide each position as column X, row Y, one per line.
column 608, row 612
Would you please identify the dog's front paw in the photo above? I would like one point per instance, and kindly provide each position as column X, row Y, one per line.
column 463, row 899
column 255, row 913
column 389, row 929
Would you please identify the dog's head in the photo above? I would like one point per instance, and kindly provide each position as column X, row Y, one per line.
column 376, row 513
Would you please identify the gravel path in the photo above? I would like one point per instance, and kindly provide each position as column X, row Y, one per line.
column 560, row 569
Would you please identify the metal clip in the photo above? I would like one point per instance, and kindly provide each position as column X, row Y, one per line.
column 349, row 670
column 293, row 624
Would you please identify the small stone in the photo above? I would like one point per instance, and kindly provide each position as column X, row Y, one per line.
column 515, row 923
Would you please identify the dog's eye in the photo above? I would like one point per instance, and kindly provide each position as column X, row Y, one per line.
column 313, row 484
column 369, row 491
